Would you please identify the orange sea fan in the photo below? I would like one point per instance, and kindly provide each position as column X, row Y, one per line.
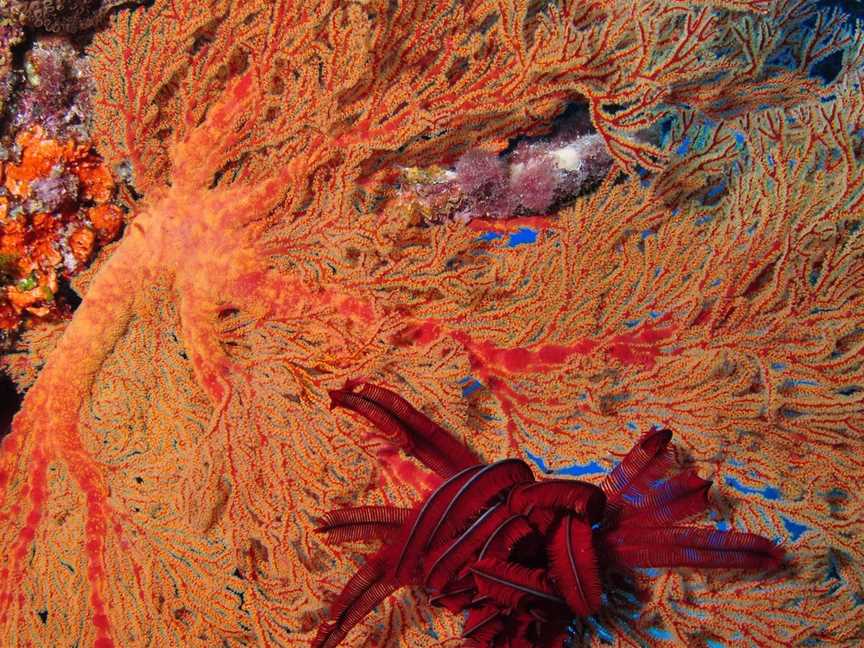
column 164, row 476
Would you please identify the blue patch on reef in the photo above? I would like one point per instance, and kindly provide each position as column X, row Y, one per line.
column 794, row 528
column 577, row 470
column 660, row 633
column 470, row 387
column 665, row 129
column 833, row 573
column 789, row 383
column 600, row 629
column 491, row 236
column 790, row 413
column 538, row 461
column 590, row 468
column 769, row 492
column 716, row 190
column 524, row 236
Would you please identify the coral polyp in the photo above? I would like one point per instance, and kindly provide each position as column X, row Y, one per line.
column 67, row 16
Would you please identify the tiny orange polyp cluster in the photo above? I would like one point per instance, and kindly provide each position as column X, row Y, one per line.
column 37, row 245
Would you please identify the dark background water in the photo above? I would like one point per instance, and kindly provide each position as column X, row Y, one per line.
column 852, row 7
column 10, row 400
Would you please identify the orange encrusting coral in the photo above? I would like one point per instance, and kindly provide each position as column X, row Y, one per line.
column 38, row 242
column 162, row 479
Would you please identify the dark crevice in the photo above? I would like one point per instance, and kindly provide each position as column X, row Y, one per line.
column 10, row 402
column 67, row 295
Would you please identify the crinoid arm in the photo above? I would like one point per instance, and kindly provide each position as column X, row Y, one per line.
column 512, row 585
column 646, row 461
column 569, row 495
column 682, row 546
column 446, row 562
column 363, row 523
column 674, row 499
column 573, row 565
column 372, row 583
column 405, row 427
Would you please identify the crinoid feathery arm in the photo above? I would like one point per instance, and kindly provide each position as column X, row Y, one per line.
column 476, row 544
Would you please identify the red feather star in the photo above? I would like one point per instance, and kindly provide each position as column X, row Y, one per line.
column 521, row 556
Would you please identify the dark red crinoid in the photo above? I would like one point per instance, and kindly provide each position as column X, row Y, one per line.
column 521, row 556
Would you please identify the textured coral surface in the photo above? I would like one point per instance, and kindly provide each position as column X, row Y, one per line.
column 162, row 480
column 54, row 214
column 59, row 15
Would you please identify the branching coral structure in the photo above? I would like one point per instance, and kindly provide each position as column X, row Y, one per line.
column 163, row 479
column 520, row 556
